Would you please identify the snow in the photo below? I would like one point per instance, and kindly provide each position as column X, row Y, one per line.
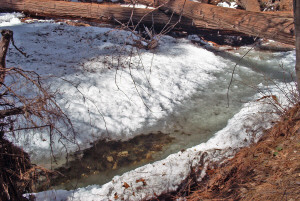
column 118, row 103
column 125, row 95
column 136, row 6
column 166, row 175
column 228, row 4
column 10, row 19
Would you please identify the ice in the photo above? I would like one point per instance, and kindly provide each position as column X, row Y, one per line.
column 166, row 175
column 109, row 95
column 118, row 102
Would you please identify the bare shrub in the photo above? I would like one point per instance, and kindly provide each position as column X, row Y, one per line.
column 26, row 103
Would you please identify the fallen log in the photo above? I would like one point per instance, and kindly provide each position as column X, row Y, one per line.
column 272, row 26
column 100, row 12
column 111, row 13
column 250, row 5
column 286, row 5
column 287, row 14
column 276, row 27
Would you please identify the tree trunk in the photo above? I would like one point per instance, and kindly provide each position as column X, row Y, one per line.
column 97, row 12
column 105, row 13
column 4, row 43
column 286, row 5
column 297, row 31
column 271, row 26
column 276, row 27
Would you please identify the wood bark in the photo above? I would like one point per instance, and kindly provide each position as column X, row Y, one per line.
column 276, row 27
column 98, row 12
column 106, row 13
column 286, row 5
column 4, row 43
column 250, row 5
column 297, row 31
column 271, row 26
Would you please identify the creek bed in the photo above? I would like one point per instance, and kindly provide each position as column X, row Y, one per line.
column 193, row 122
column 185, row 87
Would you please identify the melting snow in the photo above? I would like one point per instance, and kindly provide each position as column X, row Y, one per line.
column 123, row 96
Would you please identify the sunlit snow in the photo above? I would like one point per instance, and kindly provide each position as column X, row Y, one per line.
column 109, row 95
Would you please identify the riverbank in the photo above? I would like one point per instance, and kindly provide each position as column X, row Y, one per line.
column 267, row 170
column 112, row 91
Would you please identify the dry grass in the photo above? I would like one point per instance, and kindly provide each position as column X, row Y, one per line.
column 267, row 170
column 17, row 174
column 13, row 164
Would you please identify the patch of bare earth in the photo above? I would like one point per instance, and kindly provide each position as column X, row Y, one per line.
column 267, row 170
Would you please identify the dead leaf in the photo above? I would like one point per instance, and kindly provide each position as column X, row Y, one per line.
column 116, row 196
column 141, row 180
column 125, row 185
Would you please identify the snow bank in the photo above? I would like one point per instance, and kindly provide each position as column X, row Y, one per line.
column 166, row 175
column 124, row 96
column 106, row 93
column 10, row 19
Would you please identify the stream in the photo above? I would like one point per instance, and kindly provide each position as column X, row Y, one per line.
column 191, row 111
column 193, row 122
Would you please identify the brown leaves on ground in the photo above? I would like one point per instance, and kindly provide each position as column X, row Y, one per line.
column 141, row 180
column 126, row 185
column 268, row 170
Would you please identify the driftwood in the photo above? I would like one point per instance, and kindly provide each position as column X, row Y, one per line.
column 272, row 26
